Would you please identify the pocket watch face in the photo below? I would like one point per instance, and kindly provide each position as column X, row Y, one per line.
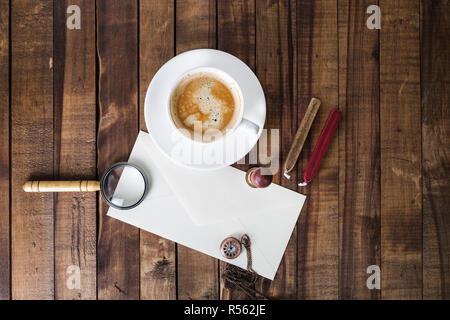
column 230, row 248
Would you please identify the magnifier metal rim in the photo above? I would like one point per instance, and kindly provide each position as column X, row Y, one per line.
column 103, row 182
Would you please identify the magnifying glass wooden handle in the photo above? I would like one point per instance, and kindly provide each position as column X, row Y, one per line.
column 61, row 186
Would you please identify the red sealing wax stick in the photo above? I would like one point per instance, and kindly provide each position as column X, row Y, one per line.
column 321, row 147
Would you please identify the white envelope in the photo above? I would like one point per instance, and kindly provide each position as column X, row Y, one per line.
column 200, row 209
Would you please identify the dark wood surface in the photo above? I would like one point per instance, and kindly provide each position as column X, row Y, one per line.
column 71, row 104
column 31, row 149
column 74, row 149
column 400, row 149
column 359, row 150
column 5, row 247
column 435, row 96
column 117, row 46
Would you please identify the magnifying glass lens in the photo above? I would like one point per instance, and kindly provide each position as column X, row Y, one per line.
column 123, row 186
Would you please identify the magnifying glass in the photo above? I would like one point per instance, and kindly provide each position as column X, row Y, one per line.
column 123, row 186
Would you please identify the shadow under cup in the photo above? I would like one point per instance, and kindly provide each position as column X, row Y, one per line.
column 204, row 131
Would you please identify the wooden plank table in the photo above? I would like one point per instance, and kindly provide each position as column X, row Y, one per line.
column 71, row 104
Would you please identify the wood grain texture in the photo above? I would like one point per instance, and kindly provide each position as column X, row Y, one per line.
column 32, row 148
column 380, row 196
column 195, row 25
column 5, row 263
column 118, row 247
column 196, row 28
column 236, row 35
column 318, row 223
column 359, row 150
column 156, row 46
column 275, row 52
column 75, row 149
column 401, row 171
column 236, row 29
column 435, row 87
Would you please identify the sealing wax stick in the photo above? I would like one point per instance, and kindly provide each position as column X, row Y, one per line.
column 321, row 147
column 300, row 137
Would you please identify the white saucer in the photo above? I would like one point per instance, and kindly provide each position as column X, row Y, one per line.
column 172, row 142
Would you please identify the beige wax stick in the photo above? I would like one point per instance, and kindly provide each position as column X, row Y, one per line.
column 300, row 137
column 61, row 186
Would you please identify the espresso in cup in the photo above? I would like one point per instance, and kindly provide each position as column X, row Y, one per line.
column 205, row 103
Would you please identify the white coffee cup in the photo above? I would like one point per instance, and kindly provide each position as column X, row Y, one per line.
column 238, row 122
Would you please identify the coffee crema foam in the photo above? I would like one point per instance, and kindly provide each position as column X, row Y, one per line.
column 202, row 98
